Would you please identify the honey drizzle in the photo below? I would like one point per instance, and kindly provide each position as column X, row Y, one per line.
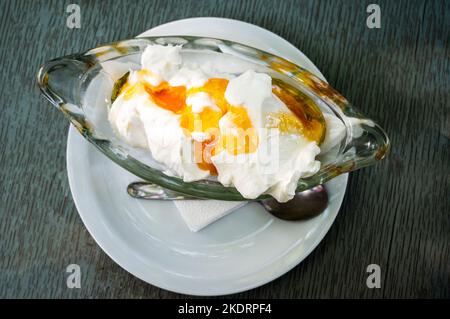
column 307, row 119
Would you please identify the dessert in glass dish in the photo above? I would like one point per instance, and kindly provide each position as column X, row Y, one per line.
column 211, row 118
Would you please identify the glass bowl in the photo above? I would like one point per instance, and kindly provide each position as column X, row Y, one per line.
column 80, row 86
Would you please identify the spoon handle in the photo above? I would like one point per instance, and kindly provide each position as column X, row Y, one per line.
column 146, row 190
column 304, row 205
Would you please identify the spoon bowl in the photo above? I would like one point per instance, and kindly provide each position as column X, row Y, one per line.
column 304, row 205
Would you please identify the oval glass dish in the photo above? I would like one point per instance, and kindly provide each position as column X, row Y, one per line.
column 81, row 86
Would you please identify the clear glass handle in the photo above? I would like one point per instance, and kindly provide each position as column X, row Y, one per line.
column 60, row 80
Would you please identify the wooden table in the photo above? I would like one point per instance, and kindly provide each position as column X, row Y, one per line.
column 395, row 214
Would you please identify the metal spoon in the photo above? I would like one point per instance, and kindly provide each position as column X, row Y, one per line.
column 304, row 205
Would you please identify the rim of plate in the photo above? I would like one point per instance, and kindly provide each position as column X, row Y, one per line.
column 293, row 254
column 289, row 55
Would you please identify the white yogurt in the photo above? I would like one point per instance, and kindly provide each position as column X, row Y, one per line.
column 273, row 168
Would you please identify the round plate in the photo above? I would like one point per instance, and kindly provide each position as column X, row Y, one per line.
column 243, row 250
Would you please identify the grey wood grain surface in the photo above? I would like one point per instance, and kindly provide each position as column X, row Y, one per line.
column 395, row 214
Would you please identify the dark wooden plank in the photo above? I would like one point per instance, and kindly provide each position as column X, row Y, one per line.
column 419, row 263
column 394, row 214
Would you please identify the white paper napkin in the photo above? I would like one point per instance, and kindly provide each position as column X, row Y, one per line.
column 200, row 213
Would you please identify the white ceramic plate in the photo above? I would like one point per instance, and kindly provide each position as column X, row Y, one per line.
column 246, row 249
